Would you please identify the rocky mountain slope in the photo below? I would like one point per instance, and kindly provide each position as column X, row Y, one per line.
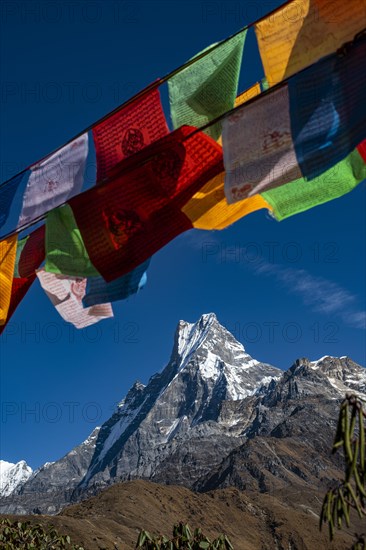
column 213, row 418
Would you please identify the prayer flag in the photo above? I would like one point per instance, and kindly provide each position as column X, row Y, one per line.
column 258, row 147
column 8, row 249
column 124, row 222
column 31, row 253
column 207, row 88
column 100, row 292
column 20, row 247
column 7, row 193
column 209, row 210
column 128, row 131
column 54, row 180
column 65, row 250
column 19, row 289
column 361, row 148
column 66, row 294
column 300, row 32
column 328, row 109
column 300, row 195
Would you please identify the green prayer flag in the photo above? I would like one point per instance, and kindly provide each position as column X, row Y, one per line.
column 65, row 250
column 207, row 88
column 265, row 85
column 20, row 246
column 301, row 194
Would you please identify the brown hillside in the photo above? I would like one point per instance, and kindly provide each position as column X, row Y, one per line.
column 253, row 521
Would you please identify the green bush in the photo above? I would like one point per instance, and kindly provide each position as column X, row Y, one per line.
column 19, row 535
column 183, row 539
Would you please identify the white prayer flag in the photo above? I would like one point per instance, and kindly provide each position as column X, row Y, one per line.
column 66, row 294
column 54, row 180
column 258, row 149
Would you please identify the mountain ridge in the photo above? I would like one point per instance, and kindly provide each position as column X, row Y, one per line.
column 208, row 407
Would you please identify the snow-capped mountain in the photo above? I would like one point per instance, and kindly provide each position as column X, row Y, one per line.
column 211, row 401
column 13, row 476
column 207, row 366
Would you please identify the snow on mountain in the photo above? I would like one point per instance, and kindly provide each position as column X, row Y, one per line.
column 343, row 373
column 13, row 476
column 217, row 353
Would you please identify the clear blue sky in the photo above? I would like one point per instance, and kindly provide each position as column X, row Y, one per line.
column 64, row 65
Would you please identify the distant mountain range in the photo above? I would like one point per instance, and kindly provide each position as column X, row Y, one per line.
column 213, row 418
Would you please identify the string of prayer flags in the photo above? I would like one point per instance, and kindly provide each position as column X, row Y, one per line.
column 8, row 249
column 19, row 289
column 30, row 253
column 65, row 250
column 66, row 294
column 128, row 131
column 300, row 195
column 208, row 209
column 300, row 32
column 126, row 221
column 207, row 88
column 54, row 180
column 300, row 129
column 100, row 292
column 7, row 194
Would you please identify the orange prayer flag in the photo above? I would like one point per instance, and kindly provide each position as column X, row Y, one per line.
column 8, row 249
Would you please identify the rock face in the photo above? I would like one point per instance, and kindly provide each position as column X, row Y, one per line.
column 214, row 417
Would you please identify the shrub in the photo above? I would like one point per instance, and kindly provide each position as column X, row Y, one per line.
column 19, row 535
column 183, row 539
column 350, row 494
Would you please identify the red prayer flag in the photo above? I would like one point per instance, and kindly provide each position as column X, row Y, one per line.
column 19, row 289
column 361, row 148
column 126, row 221
column 128, row 131
column 33, row 253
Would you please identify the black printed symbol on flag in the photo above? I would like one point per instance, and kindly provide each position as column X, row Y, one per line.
column 132, row 142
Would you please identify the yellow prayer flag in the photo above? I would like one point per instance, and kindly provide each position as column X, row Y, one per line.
column 303, row 31
column 251, row 92
column 8, row 249
column 208, row 209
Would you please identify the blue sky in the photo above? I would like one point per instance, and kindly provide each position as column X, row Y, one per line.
column 286, row 290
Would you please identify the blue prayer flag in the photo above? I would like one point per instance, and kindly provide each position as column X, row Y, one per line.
column 98, row 291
